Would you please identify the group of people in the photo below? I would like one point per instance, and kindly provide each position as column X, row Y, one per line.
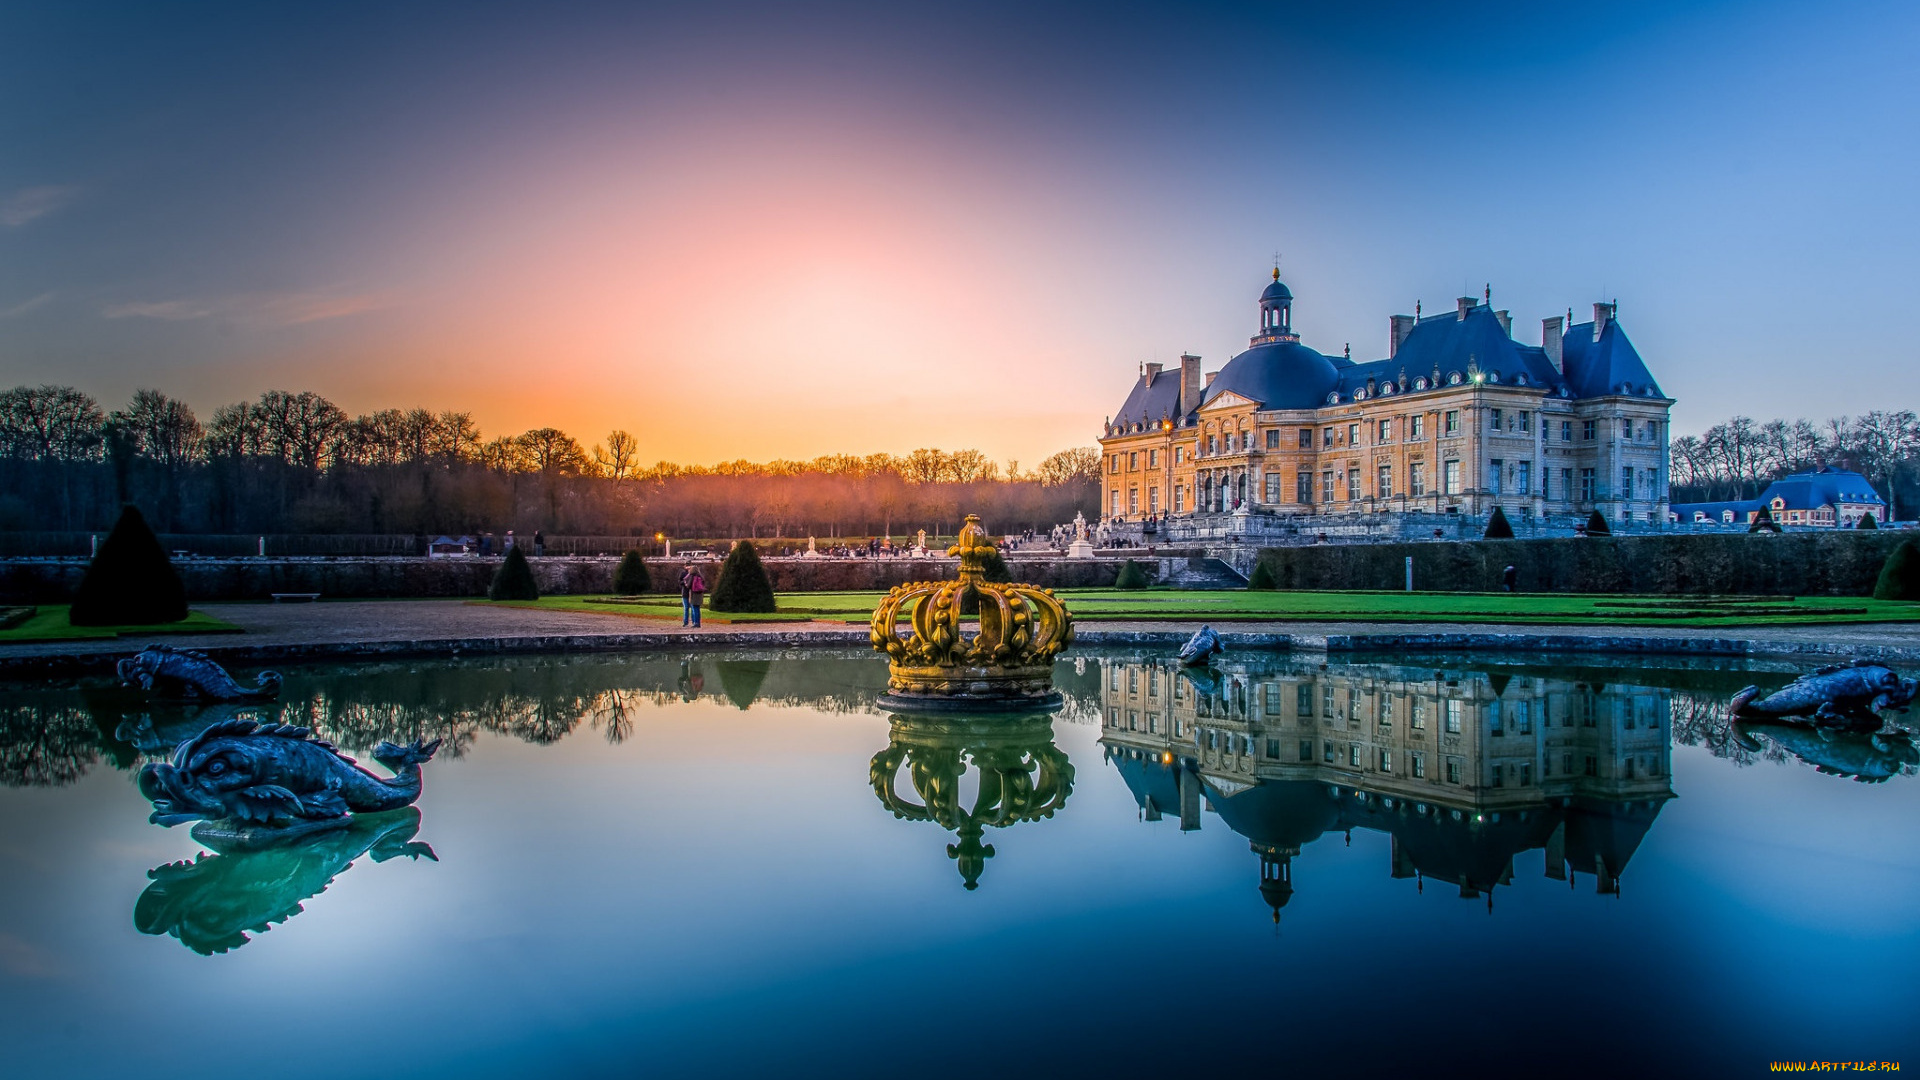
column 693, row 589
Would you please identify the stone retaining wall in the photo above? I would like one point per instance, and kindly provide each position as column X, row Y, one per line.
column 53, row 581
column 1836, row 563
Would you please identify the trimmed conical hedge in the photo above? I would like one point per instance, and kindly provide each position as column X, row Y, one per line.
column 1131, row 577
column 1498, row 527
column 1900, row 574
column 514, row 579
column 630, row 578
column 1867, row 521
column 743, row 584
column 130, row 582
column 1262, row 577
column 1765, row 522
column 1597, row 525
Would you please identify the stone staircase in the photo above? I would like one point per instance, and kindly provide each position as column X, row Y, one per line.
column 1200, row 572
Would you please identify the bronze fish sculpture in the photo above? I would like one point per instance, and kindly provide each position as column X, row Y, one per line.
column 276, row 775
column 1840, row 695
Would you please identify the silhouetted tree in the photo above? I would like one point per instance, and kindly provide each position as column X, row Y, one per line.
column 1498, row 528
column 1597, row 525
column 630, row 578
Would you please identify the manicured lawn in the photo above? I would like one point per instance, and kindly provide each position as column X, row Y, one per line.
column 1545, row 609
column 50, row 624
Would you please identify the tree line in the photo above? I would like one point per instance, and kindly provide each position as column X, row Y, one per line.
column 297, row 463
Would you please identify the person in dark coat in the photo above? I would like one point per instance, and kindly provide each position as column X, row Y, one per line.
column 1508, row 577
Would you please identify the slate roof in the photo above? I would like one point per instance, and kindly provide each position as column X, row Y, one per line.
column 1152, row 402
column 1281, row 375
column 1825, row 486
column 1289, row 375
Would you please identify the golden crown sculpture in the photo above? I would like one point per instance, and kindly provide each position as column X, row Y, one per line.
column 1006, row 664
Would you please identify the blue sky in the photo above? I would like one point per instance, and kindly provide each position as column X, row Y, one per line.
column 826, row 215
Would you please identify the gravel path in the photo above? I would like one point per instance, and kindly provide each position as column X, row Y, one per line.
column 349, row 628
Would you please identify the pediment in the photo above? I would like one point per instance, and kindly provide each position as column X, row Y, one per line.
column 1227, row 400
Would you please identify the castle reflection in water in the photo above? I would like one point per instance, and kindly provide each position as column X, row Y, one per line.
column 1463, row 769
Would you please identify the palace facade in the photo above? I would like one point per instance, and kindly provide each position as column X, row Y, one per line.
column 1457, row 419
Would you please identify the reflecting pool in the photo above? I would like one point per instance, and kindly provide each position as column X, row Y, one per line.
column 735, row 863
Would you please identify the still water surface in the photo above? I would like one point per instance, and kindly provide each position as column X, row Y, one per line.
column 736, row 864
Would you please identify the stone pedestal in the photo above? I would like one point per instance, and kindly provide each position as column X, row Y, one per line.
column 1080, row 549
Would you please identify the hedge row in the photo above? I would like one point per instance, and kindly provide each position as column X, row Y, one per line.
column 1838, row 563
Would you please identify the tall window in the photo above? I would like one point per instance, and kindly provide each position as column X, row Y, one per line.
column 1626, row 482
column 1326, row 486
column 1353, row 483
column 1153, row 500
column 1116, row 464
column 1303, row 487
column 1566, row 431
column 1353, row 434
column 1273, row 438
column 1133, row 500
column 1115, row 511
column 1153, row 459
column 1523, row 478
column 1586, row 430
column 1566, row 483
column 1213, row 444
column 1176, row 455
column 1526, row 421
column 1417, row 427
column 1626, row 429
column 1417, row 478
column 1179, row 498
column 1586, row 485
column 1493, row 419
column 1386, row 431
column 1495, row 468
column 1272, row 492
column 1450, row 478
column 1326, row 437
column 1306, row 439
column 1451, row 715
column 1453, row 422
column 1385, row 488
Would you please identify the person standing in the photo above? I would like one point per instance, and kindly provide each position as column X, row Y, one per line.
column 539, row 543
column 695, row 589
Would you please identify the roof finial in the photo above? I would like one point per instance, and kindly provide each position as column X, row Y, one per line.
column 1416, row 309
column 1489, row 293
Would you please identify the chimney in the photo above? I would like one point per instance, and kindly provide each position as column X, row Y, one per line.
column 1153, row 372
column 1210, row 376
column 1468, row 303
column 1189, row 383
column 1550, row 340
column 1602, row 315
column 1398, row 327
column 1506, row 321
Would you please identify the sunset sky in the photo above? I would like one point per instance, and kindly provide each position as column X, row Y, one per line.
column 794, row 229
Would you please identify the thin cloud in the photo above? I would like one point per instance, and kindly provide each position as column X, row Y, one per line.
column 276, row 309
column 28, row 204
column 25, row 306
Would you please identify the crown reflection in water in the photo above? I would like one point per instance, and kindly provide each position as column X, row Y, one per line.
column 1021, row 776
column 1008, row 662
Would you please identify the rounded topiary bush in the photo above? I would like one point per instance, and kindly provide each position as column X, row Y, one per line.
column 1900, row 575
column 514, row 579
column 1262, row 577
column 1597, row 525
column 630, row 578
column 130, row 581
column 1131, row 576
column 1499, row 528
column 743, row 585
column 1867, row 521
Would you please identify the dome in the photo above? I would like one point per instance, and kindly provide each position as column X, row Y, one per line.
column 1276, row 893
column 1276, row 291
column 1280, row 375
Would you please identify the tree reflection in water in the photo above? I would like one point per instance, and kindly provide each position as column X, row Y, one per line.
column 1021, row 775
